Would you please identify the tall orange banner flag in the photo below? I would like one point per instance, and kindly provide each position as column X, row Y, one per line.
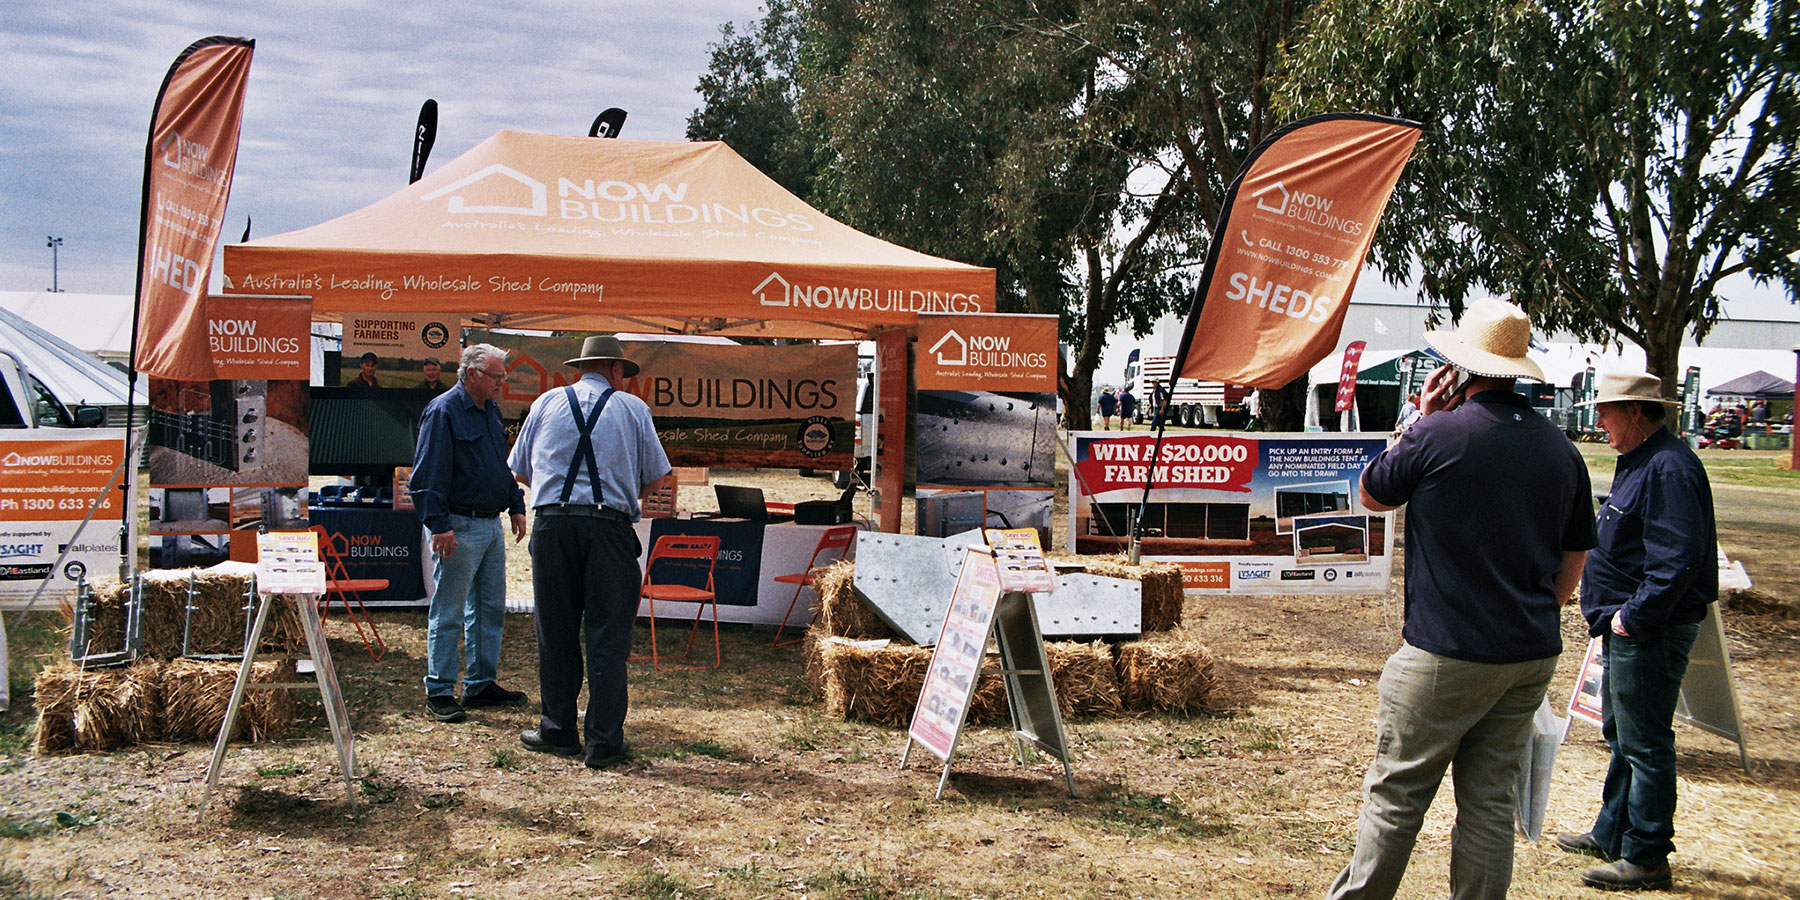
column 1285, row 255
column 187, row 179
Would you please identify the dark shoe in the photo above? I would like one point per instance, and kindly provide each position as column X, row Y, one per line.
column 445, row 709
column 493, row 695
column 1625, row 875
column 608, row 760
column 533, row 740
column 1584, row 844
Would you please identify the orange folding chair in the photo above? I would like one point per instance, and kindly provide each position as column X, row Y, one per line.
column 334, row 548
column 834, row 544
column 683, row 547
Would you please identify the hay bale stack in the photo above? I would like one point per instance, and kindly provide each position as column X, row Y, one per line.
column 98, row 709
column 218, row 623
column 881, row 684
column 197, row 692
column 841, row 611
column 1170, row 672
column 1161, row 584
column 1086, row 679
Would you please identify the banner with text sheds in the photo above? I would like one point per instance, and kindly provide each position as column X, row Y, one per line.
column 188, row 163
column 1285, row 255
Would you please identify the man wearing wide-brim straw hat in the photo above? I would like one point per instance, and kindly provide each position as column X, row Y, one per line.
column 1644, row 593
column 1499, row 519
column 588, row 453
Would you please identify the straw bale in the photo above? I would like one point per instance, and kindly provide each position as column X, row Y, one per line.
column 841, row 611
column 1169, row 672
column 1161, row 583
column 218, row 622
column 97, row 709
column 881, row 684
column 198, row 692
column 1086, row 679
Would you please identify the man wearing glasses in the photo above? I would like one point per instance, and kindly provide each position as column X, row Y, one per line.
column 460, row 486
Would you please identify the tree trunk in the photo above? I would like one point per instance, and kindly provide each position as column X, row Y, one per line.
column 1076, row 388
column 1662, row 354
column 1284, row 409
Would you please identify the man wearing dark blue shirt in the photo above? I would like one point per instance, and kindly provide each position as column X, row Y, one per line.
column 460, row 486
column 1644, row 593
column 1498, row 523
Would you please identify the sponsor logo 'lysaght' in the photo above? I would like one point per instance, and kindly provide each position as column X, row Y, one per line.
column 778, row 291
column 9, row 551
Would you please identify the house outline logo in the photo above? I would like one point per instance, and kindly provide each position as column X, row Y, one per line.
column 1262, row 201
column 962, row 349
column 762, row 291
column 456, row 204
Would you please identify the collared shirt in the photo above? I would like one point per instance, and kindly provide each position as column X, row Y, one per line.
column 1657, row 563
column 1494, row 496
column 460, row 460
column 626, row 449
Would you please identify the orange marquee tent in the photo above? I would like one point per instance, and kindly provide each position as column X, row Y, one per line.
column 544, row 231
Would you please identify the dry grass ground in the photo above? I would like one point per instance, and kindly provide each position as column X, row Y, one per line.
column 743, row 789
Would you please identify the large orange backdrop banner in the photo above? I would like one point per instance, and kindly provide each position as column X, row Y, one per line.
column 187, row 179
column 1285, row 255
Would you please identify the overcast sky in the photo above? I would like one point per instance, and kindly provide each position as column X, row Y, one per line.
column 334, row 92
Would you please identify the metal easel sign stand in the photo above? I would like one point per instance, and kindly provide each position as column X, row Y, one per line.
column 288, row 571
column 978, row 612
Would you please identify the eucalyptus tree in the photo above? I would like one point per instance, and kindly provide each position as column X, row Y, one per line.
column 1606, row 163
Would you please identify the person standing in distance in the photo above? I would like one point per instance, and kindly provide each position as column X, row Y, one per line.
column 460, row 487
column 1127, row 407
column 589, row 454
column 1108, row 405
column 1644, row 594
column 1498, row 524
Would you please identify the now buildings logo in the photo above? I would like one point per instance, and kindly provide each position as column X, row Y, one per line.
column 777, row 290
column 985, row 351
column 530, row 194
column 1304, row 206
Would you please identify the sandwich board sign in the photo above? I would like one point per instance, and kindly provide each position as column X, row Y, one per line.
column 979, row 609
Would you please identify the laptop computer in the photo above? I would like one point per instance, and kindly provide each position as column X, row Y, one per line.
column 737, row 502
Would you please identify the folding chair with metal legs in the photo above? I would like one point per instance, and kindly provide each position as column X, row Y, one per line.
column 834, row 544
column 682, row 547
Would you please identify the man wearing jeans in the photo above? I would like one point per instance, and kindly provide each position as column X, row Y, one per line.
column 1498, row 523
column 460, row 487
column 1644, row 593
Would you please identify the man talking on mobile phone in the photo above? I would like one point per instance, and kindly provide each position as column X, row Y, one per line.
column 1499, row 521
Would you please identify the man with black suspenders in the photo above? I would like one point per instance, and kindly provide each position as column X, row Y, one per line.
column 587, row 454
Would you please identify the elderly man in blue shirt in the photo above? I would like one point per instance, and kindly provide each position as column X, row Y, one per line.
column 589, row 452
column 460, row 487
column 1644, row 592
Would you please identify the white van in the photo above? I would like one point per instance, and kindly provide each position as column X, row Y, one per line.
column 26, row 403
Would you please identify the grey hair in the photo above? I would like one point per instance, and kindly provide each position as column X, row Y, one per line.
column 473, row 356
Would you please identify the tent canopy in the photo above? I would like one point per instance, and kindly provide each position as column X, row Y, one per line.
column 1758, row 385
column 545, row 231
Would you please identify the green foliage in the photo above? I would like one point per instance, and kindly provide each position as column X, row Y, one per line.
column 1607, row 164
column 749, row 97
column 281, row 770
column 1079, row 149
column 503, row 758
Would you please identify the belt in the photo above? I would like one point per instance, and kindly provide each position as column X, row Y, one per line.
column 475, row 512
column 581, row 509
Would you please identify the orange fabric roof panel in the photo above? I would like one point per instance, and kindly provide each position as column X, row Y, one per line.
column 547, row 224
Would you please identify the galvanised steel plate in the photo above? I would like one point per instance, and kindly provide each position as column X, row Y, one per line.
column 908, row 580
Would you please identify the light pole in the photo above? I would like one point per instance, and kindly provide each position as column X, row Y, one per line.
column 53, row 243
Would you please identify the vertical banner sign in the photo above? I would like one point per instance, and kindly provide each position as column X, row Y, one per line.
column 1346, row 395
column 1691, row 416
column 49, row 480
column 187, row 179
column 1286, row 252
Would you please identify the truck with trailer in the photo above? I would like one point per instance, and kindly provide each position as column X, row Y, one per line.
column 1194, row 403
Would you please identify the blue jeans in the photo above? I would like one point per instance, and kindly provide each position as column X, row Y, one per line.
column 1642, row 686
column 1439, row 713
column 468, row 603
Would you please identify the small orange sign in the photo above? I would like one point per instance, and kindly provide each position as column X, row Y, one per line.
column 994, row 352
column 58, row 479
column 1210, row 575
column 259, row 338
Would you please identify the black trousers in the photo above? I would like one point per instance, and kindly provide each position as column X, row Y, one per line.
column 585, row 579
